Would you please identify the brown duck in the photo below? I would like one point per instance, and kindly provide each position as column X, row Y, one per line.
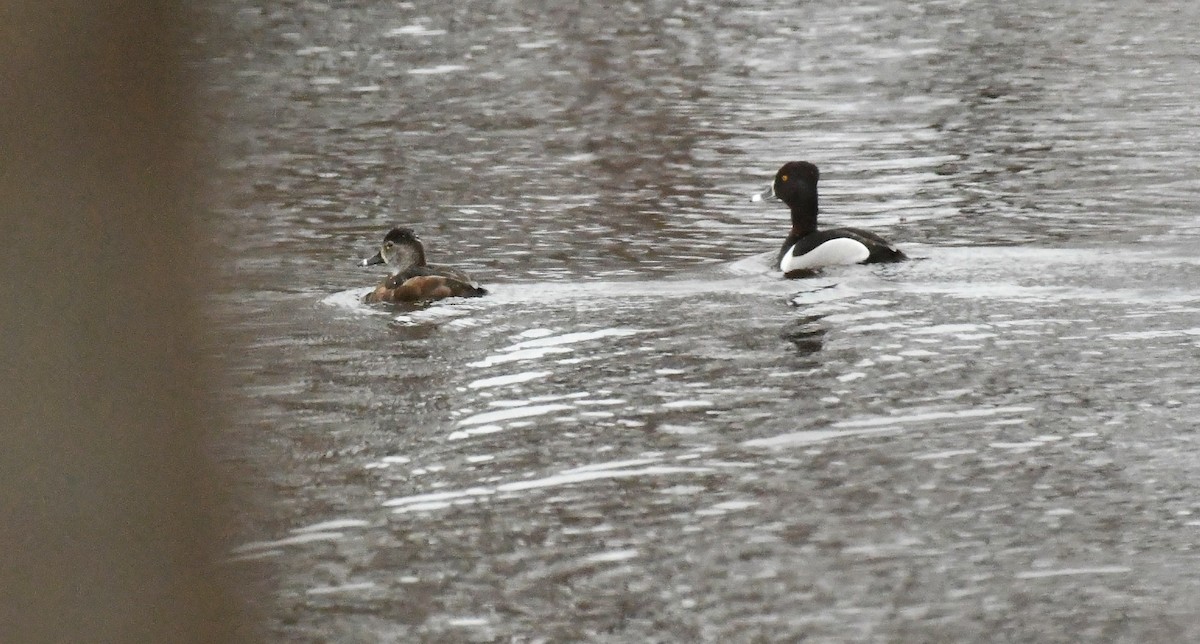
column 413, row 280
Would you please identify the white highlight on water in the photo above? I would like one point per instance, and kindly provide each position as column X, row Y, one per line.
column 307, row 537
column 932, row 456
column 437, row 69
column 542, row 345
column 415, row 30
column 335, row 524
column 517, row 356
column 878, row 421
column 344, row 588
column 611, row 556
column 467, row 621
column 688, row 404
column 809, row 437
column 351, row 300
column 508, row 379
column 583, row 474
column 511, row 413
column 572, row 338
column 1068, row 572
column 726, row 507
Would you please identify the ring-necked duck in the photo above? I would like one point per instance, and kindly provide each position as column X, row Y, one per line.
column 412, row 280
column 807, row 249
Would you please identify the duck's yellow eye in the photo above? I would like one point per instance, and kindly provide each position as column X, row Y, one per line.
column 388, row 245
column 783, row 177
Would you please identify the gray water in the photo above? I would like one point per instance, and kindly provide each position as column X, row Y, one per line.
column 643, row 433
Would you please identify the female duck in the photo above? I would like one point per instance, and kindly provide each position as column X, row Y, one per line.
column 806, row 249
column 412, row 280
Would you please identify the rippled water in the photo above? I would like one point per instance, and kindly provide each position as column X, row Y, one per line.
column 643, row 434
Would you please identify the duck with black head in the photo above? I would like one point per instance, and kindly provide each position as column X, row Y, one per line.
column 411, row 278
column 807, row 249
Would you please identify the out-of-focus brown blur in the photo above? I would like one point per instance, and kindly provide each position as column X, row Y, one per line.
column 106, row 499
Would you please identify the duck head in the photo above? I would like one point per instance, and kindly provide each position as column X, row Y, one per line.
column 401, row 250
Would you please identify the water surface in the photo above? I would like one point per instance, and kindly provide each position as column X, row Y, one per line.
column 643, row 434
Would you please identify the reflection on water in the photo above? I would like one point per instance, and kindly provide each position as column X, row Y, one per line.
column 642, row 433
column 805, row 332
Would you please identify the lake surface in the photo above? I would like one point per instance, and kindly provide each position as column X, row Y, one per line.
column 643, row 434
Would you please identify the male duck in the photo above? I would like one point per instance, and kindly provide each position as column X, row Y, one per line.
column 412, row 280
column 807, row 249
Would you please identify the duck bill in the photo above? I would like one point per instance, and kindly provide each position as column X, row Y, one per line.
column 765, row 195
column 373, row 260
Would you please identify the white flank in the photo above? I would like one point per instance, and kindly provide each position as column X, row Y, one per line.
column 835, row 252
